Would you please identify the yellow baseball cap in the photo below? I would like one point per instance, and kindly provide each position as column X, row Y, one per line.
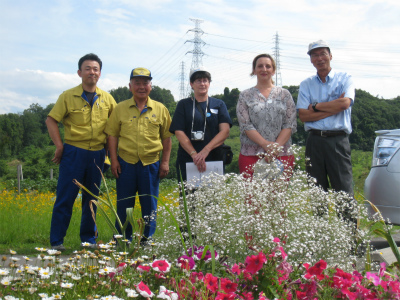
column 141, row 72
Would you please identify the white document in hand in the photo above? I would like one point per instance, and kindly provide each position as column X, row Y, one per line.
column 194, row 177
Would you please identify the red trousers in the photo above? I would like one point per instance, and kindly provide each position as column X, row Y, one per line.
column 246, row 164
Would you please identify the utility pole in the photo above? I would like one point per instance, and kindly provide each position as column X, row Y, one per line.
column 197, row 60
column 278, row 77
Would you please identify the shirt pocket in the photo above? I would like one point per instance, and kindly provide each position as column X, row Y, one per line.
column 153, row 128
column 127, row 127
column 101, row 114
column 335, row 93
column 80, row 116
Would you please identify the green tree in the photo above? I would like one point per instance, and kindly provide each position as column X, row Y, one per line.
column 164, row 96
column 35, row 132
column 121, row 94
column 12, row 132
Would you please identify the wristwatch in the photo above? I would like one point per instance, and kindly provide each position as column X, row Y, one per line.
column 314, row 106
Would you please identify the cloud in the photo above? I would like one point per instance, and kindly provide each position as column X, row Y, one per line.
column 21, row 88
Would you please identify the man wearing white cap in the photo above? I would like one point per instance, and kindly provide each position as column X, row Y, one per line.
column 324, row 105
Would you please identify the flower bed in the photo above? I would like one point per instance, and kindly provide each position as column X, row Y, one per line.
column 263, row 275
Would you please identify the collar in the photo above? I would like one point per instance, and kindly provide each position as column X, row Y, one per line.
column 329, row 77
column 78, row 90
column 149, row 103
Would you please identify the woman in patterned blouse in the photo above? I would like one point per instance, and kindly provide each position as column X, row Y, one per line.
column 267, row 119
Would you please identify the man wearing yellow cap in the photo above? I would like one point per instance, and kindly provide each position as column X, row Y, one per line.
column 84, row 111
column 139, row 129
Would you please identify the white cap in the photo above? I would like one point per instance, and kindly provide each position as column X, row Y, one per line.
column 317, row 44
column 199, row 69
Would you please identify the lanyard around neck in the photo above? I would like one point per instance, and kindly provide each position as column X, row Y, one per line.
column 201, row 111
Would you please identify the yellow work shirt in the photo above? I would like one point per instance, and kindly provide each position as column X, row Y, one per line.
column 139, row 135
column 83, row 125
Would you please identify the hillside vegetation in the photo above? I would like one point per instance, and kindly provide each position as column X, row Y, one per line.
column 24, row 138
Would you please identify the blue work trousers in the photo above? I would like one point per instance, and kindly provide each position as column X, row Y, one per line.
column 144, row 180
column 79, row 164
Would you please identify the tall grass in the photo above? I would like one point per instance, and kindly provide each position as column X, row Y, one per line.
column 25, row 219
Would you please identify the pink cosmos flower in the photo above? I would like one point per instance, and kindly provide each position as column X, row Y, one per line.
column 255, row 263
column 276, row 240
column 161, row 266
column 144, row 290
column 211, row 282
column 222, row 296
column 228, row 286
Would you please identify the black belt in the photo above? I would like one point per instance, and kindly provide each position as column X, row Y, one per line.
column 327, row 133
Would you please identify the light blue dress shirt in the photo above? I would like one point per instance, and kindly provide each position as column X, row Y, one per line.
column 314, row 90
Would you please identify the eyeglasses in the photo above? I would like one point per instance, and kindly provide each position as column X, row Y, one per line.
column 200, row 81
column 316, row 55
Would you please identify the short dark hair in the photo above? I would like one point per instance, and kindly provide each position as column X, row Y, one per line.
column 90, row 56
column 200, row 75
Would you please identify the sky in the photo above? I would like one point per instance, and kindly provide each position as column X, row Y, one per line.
column 42, row 41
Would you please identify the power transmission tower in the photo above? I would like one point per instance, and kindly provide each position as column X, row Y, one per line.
column 197, row 44
column 182, row 93
column 278, row 77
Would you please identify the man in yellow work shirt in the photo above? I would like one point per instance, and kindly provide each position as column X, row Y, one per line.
column 139, row 128
column 84, row 111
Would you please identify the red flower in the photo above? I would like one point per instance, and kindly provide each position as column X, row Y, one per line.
column 221, row 296
column 316, row 270
column 142, row 269
column 211, row 282
column 160, row 276
column 144, row 290
column 161, row 266
column 248, row 296
column 236, row 270
column 342, row 279
column 247, row 275
column 186, row 262
column 194, row 276
column 255, row 263
column 228, row 286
